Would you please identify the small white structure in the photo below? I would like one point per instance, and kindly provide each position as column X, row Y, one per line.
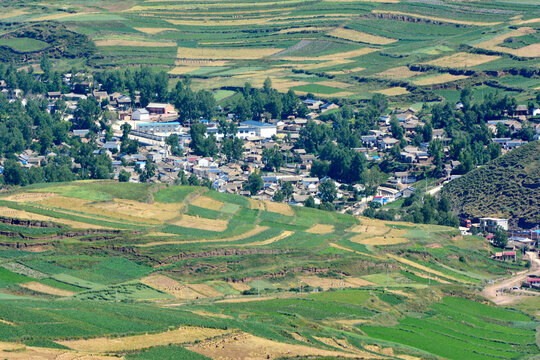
column 491, row 224
column 165, row 127
column 263, row 130
column 140, row 115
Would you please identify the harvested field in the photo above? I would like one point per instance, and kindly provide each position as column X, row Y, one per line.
column 378, row 240
column 16, row 351
column 206, row 202
column 200, row 223
column 329, row 283
column 239, row 286
column 359, row 36
column 526, row 51
column 12, row 13
column 422, row 267
column 462, row 59
column 154, row 30
column 247, row 346
column 225, row 53
column 279, row 208
column 257, row 229
column 30, row 197
column 320, row 229
column 152, row 213
column 400, row 72
column 433, row 18
column 134, row 43
column 25, row 215
column 393, row 91
column 45, row 289
column 179, row 70
column 200, row 62
column 369, row 229
column 256, row 204
column 165, row 284
column 205, row 290
column 303, row 29
column 439, row 79
column 245, row 299
column 336, row 246
column 179, row 336
column 342, row 344
column 6, row 323
column 324, row 64
column 281, row 236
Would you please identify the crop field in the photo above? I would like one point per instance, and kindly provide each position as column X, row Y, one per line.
column 275, row 280
column 224, row 44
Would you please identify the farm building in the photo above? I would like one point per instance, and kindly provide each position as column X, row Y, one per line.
column 505, row 255
column 140, row 115
column 491, row 224
column 160, row 109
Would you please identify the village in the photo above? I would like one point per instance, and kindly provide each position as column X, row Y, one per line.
column 151, row 126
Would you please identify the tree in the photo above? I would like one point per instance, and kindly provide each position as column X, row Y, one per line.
column 287, row 189
column 273, row 158
column 396, row 128
column 14, row 173
column 123, row 176
column 202, row 145
column 232, row 148
column 310, row 202
column 328, row 191
column 279, row 196
column 86, row 114
column 193, row 180
column 46, row 66
column 174, row 143
column 500, row 237
column 254, row 183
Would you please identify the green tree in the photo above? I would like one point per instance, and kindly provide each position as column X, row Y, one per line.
column 254, row 183
column 310, row 202
column 328, row 191
column 193, row 180
column 287, row 189
column 396, row 128
column 272, row 158
column 500, row 238
column 174, row 143
column 123, row 176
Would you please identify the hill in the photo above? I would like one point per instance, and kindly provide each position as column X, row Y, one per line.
column 346, row 49
column 145, row 271
column 506, row 187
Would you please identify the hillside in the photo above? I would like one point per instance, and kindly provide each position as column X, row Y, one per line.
column 506, row 187
column 411, row 50
column 144, row 271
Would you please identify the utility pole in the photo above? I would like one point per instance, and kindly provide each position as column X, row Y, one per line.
column 387, row 279
column 341, row 281
column 187, row 295
column 300, row 285
column 429, row 277
column 258, row 288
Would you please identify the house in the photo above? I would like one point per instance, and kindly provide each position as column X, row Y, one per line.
column 160, row 109
column 491, row 224
column 521, row 110
column 313, row 104
column 112, row 146
column 403, row 177
column 329, row 106
column 140, row 115
column 54, row 95
column 505, row 255
column 165, row 127
column 263, row 130
column 100, row 95
column 388, row 143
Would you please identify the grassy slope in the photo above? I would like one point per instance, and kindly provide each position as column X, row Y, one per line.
column 105, row 274
column 506, row 187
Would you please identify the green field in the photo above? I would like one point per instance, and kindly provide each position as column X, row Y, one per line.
column 225, row 44
column 265, row 278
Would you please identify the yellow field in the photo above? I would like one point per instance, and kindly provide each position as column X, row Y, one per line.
column 526, row 51
column 225, row 53
column 369, row 229
column 393, row 91
column 12, row 13
column 45, row 289
column 303, row 29
column 179, row 336
column 422, row 267
column 462, row 60
column 179, row 70
column 200, row 62
column 320, row 229
column 210, row 314
column 400, row 72
column 353, row 1
column 280, row 208
column 322, row 64
column 205, row 290
column 281, row 236
column 24, row 215
column 329, row 283
column 30, row 196
column 200, row 223
column 239, row 286
column 360, row 36
column 247, row 346
column 16, row 351
column 256, row 204
column 153, row 31
column 207, row 203
column 165, row 284
column 378, row 240
column 446, row 20
column 439, row 79
column 257, row 229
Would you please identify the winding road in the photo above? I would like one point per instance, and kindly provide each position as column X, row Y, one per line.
column 496, row 292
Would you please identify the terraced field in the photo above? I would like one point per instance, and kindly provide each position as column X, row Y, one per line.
column 137, row 270
column 300, row 45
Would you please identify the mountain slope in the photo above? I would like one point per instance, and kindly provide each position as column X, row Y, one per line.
column 506, row 187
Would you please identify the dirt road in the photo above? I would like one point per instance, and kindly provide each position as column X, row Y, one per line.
column 495, row 292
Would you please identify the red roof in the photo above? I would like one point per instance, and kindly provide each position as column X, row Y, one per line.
column 509, row 253
column 533, row 280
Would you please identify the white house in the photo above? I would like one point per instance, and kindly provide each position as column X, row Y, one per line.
column 492, row 223
column 140, row 115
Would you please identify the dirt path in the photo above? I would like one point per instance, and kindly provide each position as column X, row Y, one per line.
column 495, row 292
